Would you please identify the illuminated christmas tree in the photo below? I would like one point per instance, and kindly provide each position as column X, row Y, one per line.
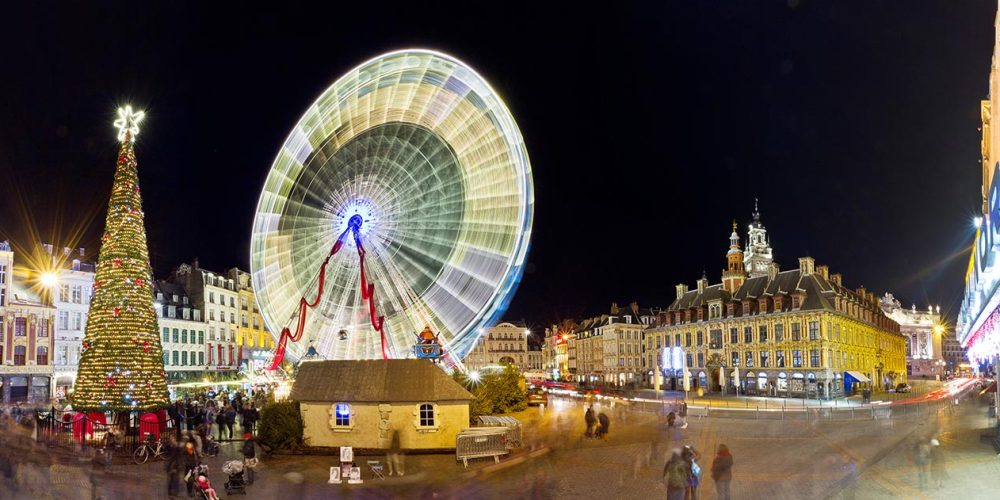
column 121, row 367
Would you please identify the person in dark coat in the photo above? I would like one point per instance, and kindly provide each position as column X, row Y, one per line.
column 173, row 462
column 589, row 418
column 249, row 451
column 230, row 420
column 676, row 476
column 691, row 457
column 605, row 425
column 189, row 461
column 722, row 472
column 189, row 415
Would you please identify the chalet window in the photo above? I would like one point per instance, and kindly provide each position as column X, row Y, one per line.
column 426, row 415
column 342, row 415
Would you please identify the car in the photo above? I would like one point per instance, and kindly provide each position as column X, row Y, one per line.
column 537, row 397
column 903, row 388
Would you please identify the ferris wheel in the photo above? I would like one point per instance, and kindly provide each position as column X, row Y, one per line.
column 401, row 202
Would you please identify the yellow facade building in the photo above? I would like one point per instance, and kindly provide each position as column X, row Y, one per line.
column 797, row 333
column 252, row 336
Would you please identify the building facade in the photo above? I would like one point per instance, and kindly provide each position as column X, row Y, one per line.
column 501, row 344
column 785, row 333
column 182, row 332
column 71, row 297
column 978, row 325
column 955, row 357
column 608, row 349
column 216, row 296
column 252, row 338
column 923, row 332
column 27, row 338
column 555, row 355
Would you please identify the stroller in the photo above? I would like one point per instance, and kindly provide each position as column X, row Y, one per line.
column 211, row 446
column 201, row 470
column 235, row 483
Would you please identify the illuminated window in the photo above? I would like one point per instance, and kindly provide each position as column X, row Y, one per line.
column 749, row 358
column 342, row 415
column 796, row 358
column 780, row 359
column 765, row 359
column 736, row 359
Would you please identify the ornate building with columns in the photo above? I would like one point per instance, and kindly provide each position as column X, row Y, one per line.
column 924, row 334
column 798, row 333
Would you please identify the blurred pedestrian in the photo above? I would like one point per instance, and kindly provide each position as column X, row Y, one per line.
column 190, row 462
column 173, row 465
column 230, row 420
column 922, row 458
column 939, row 471
column 691, row 457
column 605, row 425
column 684, row 414
column 394, row 458
column 675, row 476
column 249, row 451
column 591, row 420
column 722, row 472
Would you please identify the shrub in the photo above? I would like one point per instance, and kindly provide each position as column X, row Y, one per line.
column 281, row 425
column 497, row 392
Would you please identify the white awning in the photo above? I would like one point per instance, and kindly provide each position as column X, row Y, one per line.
column 858, row 375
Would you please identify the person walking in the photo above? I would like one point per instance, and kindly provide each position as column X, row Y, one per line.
column 722, row 472
column 605, row 425
column 394, row 458
column 939, row 471
column 210, row 416
column 249, row 451
column 173, row 466
column 683, row 413
column 190, row 462
column 230, row 420
column 675, row 476
column 589, row 418
column 922, row 458
column 691, row 457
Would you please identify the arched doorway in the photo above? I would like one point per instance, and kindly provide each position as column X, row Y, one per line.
column 506, row 360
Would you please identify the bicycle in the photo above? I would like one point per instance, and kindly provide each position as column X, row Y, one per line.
column 150, row 448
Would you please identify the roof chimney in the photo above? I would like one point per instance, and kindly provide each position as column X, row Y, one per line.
column 806, row 265
column 681, row 290
column 823, row 271
column 614, row 309
column 702, row 283
column 836, row 278
column 772, row 271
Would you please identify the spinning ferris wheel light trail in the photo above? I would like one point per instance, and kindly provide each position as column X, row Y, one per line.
column 414, row 160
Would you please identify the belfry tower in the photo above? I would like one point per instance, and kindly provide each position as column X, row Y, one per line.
column 757, row 258
column 734, row 275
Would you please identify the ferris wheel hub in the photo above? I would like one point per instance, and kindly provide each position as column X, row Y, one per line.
column 355, row 222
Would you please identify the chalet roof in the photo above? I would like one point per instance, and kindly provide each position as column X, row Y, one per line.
column 375, row 381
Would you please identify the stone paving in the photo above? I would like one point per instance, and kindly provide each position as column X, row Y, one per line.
column 773, row 459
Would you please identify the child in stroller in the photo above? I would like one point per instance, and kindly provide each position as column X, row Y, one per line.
column 202, row 484
column 236, row 483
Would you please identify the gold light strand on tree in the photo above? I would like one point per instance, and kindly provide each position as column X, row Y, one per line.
column 121, row 367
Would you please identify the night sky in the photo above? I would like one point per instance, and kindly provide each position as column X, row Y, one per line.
column 649, row 129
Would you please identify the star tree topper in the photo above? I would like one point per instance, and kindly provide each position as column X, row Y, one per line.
column 128, row 122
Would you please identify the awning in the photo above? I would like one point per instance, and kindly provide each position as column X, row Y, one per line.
column 860, row 377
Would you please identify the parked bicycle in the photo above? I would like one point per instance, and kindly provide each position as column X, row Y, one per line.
column 150, row 448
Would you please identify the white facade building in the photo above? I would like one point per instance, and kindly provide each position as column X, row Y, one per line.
column 505, row 343
column 217, row 297
column 182, row 331
column 71, row 297
column 924, row 334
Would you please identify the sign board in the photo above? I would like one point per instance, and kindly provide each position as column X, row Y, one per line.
column 355, row 477
column 334, row 475
column 346, row 454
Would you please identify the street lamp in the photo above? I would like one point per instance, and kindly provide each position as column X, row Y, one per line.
column 49, row 279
